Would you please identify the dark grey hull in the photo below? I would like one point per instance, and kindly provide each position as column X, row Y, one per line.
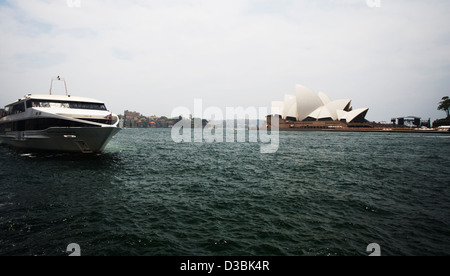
column 84, row 140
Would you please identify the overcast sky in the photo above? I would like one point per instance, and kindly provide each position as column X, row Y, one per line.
column 152, row 56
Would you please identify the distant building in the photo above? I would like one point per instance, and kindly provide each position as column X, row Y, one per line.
column 307, row 106
column 411, row 121
column 133, row 119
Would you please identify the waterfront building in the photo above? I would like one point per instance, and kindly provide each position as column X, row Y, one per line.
column 307, row 106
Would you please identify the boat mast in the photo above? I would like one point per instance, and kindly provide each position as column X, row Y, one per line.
column 58, row 78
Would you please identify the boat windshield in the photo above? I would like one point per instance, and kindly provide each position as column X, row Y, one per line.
column 61, row 104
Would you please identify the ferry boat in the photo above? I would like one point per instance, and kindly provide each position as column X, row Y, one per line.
column 61, row 123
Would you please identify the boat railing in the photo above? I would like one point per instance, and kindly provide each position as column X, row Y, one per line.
column 58, row 78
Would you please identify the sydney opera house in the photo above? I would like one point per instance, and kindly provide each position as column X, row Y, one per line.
column 307, row 109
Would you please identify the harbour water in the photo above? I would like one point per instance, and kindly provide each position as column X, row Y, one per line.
column 319, row 194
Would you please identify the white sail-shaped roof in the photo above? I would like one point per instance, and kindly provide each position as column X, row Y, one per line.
column 307, row 102
column 308, row 105
column 350, row 116
column 325, row 114
column 342, row 115
column 321, row 113
column 355, row 113
column 290, row 106
column 334, row 106
column 316, row 113
column 324, row 97
column 277, row 108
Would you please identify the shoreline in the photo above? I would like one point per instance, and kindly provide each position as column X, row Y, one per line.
column 337, row 126
column 368, row 130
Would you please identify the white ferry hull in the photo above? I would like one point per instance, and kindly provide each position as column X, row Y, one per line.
column 81, row 140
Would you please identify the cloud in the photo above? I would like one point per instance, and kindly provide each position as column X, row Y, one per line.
column 152, row 56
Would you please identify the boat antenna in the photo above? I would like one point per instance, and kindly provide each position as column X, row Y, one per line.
column 58, row 78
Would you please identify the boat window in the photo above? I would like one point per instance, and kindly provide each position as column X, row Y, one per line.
column 73, row 105
column 58, row 105
column 18, row 108
column 79, row 105
column 40, row 104
column 40, row 124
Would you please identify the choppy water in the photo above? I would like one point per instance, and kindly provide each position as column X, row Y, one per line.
column 320, row 194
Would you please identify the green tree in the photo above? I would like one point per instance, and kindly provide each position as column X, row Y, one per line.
column 444, row 105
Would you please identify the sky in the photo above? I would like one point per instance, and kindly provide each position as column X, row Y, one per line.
column 391, row 56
